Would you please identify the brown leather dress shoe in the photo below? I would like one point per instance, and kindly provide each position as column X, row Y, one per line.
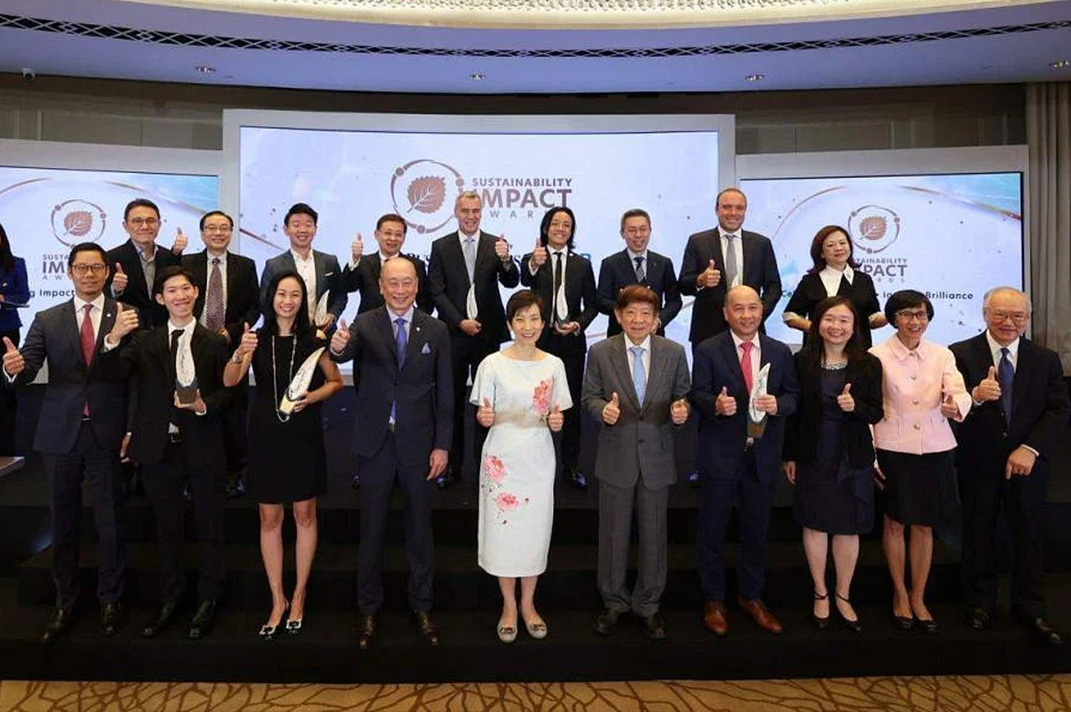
column 715, row 618
column 763, row 618
column 425, row 627
column 366, row 630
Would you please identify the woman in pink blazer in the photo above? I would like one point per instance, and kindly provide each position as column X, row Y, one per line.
column 921, row 389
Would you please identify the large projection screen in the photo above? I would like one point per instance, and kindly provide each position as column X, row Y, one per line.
column 352, row 168
column 947, row 222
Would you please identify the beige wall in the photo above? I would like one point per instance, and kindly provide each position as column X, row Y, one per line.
column 190, row 116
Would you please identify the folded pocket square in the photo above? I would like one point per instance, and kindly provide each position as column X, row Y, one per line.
column 425, row 349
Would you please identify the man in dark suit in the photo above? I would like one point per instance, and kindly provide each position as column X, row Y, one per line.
column 177, row 439
column 735, row 460
column 227, row 301
column 82, row 423
column 709, row 268
column 638, row 265
column 565, row 283
column 319, row 270
column 636, row 386
column 464, row 272
column 134, row 264
column 362, row 273
column 401, row 434
column 1004, row 456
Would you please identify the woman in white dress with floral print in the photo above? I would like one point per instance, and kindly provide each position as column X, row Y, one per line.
column 520, row 393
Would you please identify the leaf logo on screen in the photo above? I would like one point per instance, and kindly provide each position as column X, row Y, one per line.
column 874, row 228
column 75, row 221
column 423, row 192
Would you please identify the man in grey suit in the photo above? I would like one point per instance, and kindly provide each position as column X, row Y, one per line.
column 319, row 270
column 636, row 385
column 81, row 428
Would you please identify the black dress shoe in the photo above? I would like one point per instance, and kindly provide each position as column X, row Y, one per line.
column 163, row 617
column 366, row 630
column 929, row 627
column 425, row 627
column 655, row 625
column 853, row 626
column 979, row 618
column 446, row 480
column 355, row 482
column 903, row 622
column 576, row 478
column 111, row 614
column 606, row 623
column 820, row 622
column 693, row 479
column 61, row 621
column 202, row 620
column 1043, row 630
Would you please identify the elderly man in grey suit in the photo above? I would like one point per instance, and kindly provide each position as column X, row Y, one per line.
column 636, row 385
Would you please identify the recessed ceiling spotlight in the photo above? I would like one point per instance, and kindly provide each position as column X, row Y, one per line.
column 755, row 77
column 1060, row 64
column 205, row 69
column 477, row 76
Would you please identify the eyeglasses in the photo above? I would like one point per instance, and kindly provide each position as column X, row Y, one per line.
column 1000, row 315
column 633, row 231
column 908, row 315
column 147, row 222
column 218, row 228
column 85, row 269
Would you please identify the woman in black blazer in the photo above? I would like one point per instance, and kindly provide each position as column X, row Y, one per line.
column 14, row 289
column 835, row 273
column 829, row 452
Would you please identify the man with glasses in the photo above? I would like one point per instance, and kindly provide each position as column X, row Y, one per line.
column 80, row 429
column 227, row 301
column 1020, row 414
column 134, row 264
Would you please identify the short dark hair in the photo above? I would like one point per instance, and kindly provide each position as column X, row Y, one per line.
column 392, row 217
column 820, row 239
column 634, row 213
column 169, row 273
column 140, row 203
column 201, row 225
column 544, row 226
column 302, row 325
column 731, row 189
column 637, row 293
column 906, row 299
column 86, row 247
column 301, row 209
column 522, row 299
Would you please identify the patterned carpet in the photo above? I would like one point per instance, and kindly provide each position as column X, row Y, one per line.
column 1041, row 693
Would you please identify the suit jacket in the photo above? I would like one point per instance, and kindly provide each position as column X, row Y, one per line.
column 1039, row 408
column 580, row 293
column 760, row 273
column 619, row 271
column 422, row 389
column 640, row 443
column 146, row 356
column 365, row 279
column 801, row 435
column 243, row 294
column 15, row 288
column 328, row 278
column 811, row 290
column 722, row 439
column 449, row 281
column 137, row 293
column 54, row 337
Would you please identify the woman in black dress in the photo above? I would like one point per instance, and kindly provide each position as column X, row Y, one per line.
column 835, row 273
column 829, row 452
column 286, row 452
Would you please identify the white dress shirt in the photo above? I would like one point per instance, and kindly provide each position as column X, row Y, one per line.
column 306, row 269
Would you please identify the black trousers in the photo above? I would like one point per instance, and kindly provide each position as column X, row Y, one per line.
column 466, row 353
column 8, row 406
column 163, row 485
column 984, row 493
column 379, row 474
column 99, row 465
column 571, row 350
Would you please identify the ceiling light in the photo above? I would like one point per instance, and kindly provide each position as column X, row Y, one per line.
column 477, row 76
column 205, row 69
column 1060, row 64
column 755, row 77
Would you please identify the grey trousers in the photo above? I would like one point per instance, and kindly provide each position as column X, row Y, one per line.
column 615, row 522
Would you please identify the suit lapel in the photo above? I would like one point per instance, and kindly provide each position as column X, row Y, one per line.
column 415, row 339
column 747, row 250
column 107, row 321
column 716, row 253
column 233, row 287
column 619, row 360
column 658, row 365
column 136, row 275
column 454, row 243
column 728, row 351
column 1023, row 371
column 386, row 327
column 319, row 262
column 375, row 265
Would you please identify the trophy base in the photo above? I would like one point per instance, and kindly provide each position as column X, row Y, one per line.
column 186, row 394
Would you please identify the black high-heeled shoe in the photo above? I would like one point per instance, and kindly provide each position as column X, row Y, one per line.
column 821, row 623
column 853, row 626
column 267, row 632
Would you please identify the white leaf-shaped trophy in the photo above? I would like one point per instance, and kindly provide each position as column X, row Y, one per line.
column 299, row 384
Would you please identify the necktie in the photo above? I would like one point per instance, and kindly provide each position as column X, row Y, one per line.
column 561, row 311
column 401, row 341
column 89, row 342
column 639, row 375
column 1006, row 374
column 745, row 364
column 214, row 306
column 641, row 276
column 176, row 334
column 731, row 268
column 469, row 245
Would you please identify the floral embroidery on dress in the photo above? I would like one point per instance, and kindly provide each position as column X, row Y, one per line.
column 506, row 501
column 541, row 397
column 494, row 468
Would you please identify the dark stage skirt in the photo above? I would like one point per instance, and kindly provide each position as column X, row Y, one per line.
column 913, row 485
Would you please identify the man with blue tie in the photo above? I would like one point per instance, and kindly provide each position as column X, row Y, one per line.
column 401, row 435
column 1003, row 458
